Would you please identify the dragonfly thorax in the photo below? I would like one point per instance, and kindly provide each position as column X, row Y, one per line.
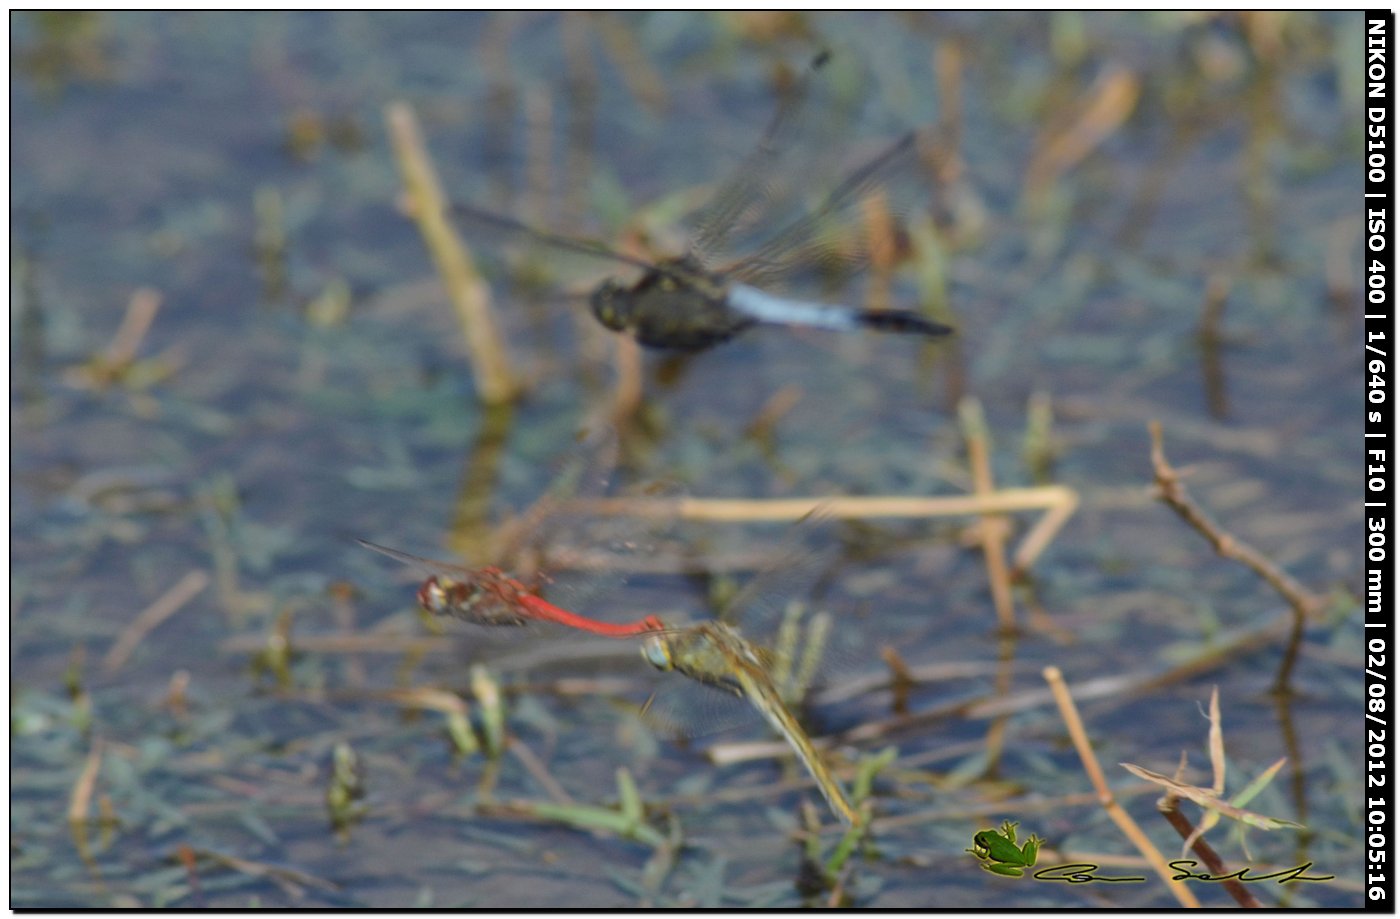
column 677, row 304
column 707, row 653
column 491, row 601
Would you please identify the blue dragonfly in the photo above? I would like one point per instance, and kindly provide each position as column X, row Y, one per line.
column 693, row 302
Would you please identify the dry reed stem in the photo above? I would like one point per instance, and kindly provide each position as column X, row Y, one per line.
column 1101, row 110
column 167, row 605
column 80, row 798
column 627, row 55
column 772, row 411
column 1213, row 304
column 993, row 527
column 743, row 751
column 1037, row 538
column 425, row 698
column 1184, row 895
column 1058, row 501
column 140, row 313
column 470, row 296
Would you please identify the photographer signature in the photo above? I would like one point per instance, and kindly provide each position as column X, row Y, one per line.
column 1083, row 873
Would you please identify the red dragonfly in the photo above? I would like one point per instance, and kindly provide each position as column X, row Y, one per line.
column 488, row 596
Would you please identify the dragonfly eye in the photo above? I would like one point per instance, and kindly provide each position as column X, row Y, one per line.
column 431, row 596
column 606, row 302
column 657, row 653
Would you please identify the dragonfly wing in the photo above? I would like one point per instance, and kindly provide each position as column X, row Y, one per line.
column 760, row 604
column 426, row 566
column 683, row 708
column 500, row 223
column 583, row 473
column 823, row 237
column 749, row 188
column 588, row 550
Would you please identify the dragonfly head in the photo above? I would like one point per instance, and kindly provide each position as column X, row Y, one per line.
column 432, row 596
column 657, row 652
column 610, row 304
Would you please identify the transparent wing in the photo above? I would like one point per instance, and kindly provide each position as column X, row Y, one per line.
column 758, row 608
column 424, row 566
column 828, row 238
column 749, row 188
column 588, row 555
column 582, row 474
column 679, row 708
column 500, row 223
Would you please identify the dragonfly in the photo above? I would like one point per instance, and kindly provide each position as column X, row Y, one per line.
column 726, row 657
column 712, row 653
column 691, row 302
column 717, row 655
column 489, row 597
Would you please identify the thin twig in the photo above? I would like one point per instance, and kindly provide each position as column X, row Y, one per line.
column 751, row 510
column 532, row 765
column 1070, row 714
column 276, row 873
column 1213, row 862
column 168, row 604
column 1101, row 110
column 140, row 313
column 80, row 798
column 1173, row 493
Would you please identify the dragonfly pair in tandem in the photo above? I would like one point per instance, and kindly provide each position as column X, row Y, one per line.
column 714, row 653
column 695, row 301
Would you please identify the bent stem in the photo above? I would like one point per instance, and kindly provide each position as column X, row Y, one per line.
column 1303, row 602
column 1136, row 836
